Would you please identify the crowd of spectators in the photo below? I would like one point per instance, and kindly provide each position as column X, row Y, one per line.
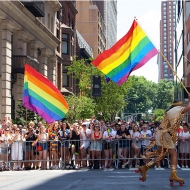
column 93, row 144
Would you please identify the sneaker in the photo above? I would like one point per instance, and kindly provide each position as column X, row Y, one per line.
column 179, row 166
column 56, row 167
column 182, row 166
column 76, row 167
column 186, row 166
column 100, row 167
column 92, row 167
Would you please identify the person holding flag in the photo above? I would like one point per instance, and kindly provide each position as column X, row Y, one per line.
column 166, row 137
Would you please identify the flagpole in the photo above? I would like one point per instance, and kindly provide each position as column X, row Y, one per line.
column 26, row 116
column 174, row 72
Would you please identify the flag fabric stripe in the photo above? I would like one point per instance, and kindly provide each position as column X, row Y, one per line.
column 128, row 54
column 143, row 61
column 115, row 48
column 46, row 96
column 42, row 97
column 133, row 62
column 41, row 112
column 130, row 59
column 50, row 106
column 40, row 106
column 45, row 88
column 125, row 49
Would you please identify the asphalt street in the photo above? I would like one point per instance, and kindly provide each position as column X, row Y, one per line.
column 124, row 179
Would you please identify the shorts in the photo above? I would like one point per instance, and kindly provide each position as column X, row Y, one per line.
column 167, row 140
column 107, row 145
column 28, row 149
column 65, row 143
column 54, row 146
column 96, row 146
column 41, row 146
column 3, row 150
column 124, row 144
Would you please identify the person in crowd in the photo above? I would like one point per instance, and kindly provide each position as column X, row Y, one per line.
column 16, row 149
column 29, row 151
column 108, row 136
column 123, row 135
column 74, row 139
column 146, row 135
column 184, row 148
column 85, row 137
column 166, row 139
column 65, row 135
column 136, row 143
column 42, row 146
column 96, row 144
column 53, row 137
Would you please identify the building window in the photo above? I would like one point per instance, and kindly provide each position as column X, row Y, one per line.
column 164, row 17
column 164, row 21
column 165, row 50
column 164, row 13
column 164, row 4
column 164, row 25
column 165, row 46
column 165, row 54
column 165, row 29
column 165, row 66
column 164, row 63
column 65, row 44
column 164, row 8
column 65, row 77
column 165, row 42
column 166, row 75
column 164, row 33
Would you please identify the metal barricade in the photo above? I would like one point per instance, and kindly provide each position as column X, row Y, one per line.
column 74, row 154
column 29, row 155
column 4, row 156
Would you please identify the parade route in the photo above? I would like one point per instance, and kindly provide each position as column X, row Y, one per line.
column 89, row 180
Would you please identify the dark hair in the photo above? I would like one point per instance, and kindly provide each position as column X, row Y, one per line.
column 172, row 106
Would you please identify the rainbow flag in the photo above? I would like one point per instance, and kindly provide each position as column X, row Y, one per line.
column 128, row 54
column 42, row 97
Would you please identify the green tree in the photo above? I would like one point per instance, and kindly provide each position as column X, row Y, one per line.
column 111, row 101
column 164, row 95
column 24, row 116
column 158, row 114
column 80, row 107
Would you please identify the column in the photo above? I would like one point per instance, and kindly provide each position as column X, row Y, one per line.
column 52, row 69
column 6, row 71
column 44, row 63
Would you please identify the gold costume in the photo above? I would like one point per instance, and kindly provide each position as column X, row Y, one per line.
column 166, row 135
column 165, row 138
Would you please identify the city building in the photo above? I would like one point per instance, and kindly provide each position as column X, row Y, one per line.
column 108, row 10
column 91, row 25
column 27, row 35
column 67, row 34
column 167, row 28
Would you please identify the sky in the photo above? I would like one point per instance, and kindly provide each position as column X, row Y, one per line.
column 148, row 14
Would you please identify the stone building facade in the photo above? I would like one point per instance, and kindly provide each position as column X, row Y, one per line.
column 27, row 35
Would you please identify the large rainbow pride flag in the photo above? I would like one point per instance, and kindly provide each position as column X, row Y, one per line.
column 42, row 97
column 128, row 54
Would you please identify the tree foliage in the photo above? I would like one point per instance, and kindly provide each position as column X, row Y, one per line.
column 80, row 107
column 24, row 116
column 158, row 114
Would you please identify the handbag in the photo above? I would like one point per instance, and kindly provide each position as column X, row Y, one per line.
column 38, row 148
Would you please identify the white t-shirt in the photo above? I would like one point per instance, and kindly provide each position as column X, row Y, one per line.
column 136, row 134
column 184, row 135
column 148, row 133
column 111, row 133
